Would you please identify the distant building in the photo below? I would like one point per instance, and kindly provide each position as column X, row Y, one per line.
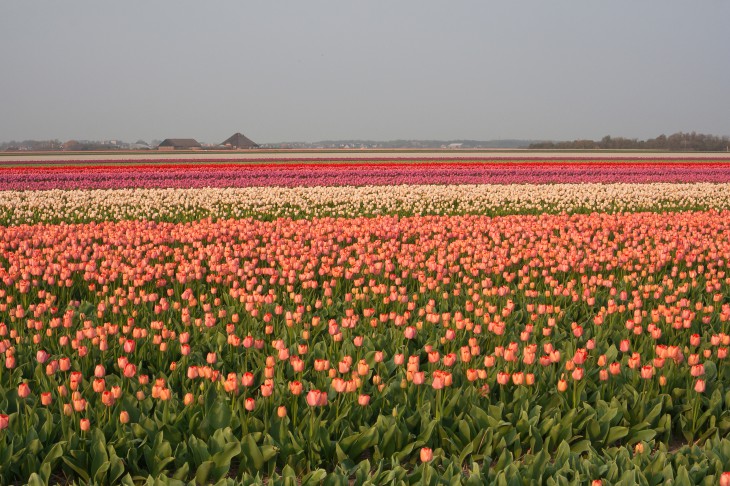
column 139, row 145
column 72, row 145
column 179, row 144
column 239, row 141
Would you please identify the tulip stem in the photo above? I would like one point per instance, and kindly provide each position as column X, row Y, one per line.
column 695, row 412
column 575, row 393
column 295, row 407
column 438, row 406
column 311, row 437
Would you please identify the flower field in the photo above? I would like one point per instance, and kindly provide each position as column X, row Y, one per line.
column 341, row 173
column 431, row 323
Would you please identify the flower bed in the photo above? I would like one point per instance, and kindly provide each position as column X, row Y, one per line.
column 445, row 337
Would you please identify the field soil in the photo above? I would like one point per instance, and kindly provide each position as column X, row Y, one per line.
column 355, row 155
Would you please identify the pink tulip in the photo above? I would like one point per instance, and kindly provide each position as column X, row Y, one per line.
column 426, row 454
column 316, row 398
column 23, row 390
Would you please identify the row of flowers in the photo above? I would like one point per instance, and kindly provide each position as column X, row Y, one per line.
column 314, row 342
column 23, row 207
column 323, row 174
column 386, row 158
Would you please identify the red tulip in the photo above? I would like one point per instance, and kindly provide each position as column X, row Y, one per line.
column 725, row 479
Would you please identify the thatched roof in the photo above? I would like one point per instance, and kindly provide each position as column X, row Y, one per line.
column 181, row 143
column 239, row 140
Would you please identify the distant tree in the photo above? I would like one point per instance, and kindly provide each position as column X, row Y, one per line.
column 696, row 142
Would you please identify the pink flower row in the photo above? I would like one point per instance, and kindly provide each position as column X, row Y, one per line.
column 290, row 175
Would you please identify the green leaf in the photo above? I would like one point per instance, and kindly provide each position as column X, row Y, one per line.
column 642, row 435
column 252, row 453
column 230, row 450
column 35, row 480
column 465, row 453
column 219, row 415
column 79, row 469
column 581, row 446
column 682, row 477
column 204, row 472
column 116, row 469
column 48, row 462
column 314, row 477
column 356, row 444
column 99, row 456
column 425, row 434
column 594, row 430
column 182, row 472
column 198, row 450
column 616, row 433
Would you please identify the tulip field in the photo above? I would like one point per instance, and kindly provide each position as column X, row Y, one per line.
column 365, row 322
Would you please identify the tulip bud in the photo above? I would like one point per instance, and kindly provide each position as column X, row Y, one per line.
column 426, row 454
column 725, row 479
column 23, row 390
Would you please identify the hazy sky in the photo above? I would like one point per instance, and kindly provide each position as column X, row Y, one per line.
column 391, row 69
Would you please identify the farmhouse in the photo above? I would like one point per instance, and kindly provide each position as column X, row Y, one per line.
column 239, row 141
column 179, row 144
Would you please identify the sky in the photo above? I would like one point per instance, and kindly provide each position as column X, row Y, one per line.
column 370, row 70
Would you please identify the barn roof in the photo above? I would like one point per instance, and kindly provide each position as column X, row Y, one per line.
column 180, row 143
column 239, row 140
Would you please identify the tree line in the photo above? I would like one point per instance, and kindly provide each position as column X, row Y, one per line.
column 679, row 142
